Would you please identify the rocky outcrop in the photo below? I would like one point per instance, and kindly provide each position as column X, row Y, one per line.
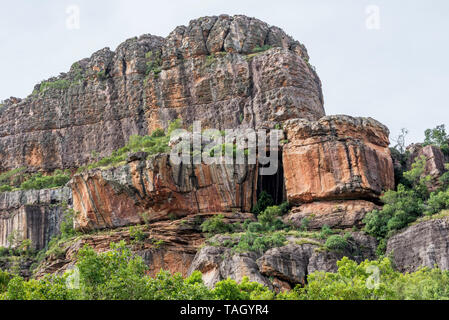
column 153, row 190
column 435, row 161
column 339, row 214
column 334, row 169
column 278, row 268
column 164, row 245
column 35, row 215
column 214, row 70
column 424, row 244
column 337, row 157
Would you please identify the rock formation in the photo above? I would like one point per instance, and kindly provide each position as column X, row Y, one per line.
column 213, row 70
column 279, row 268
column 153, row 189
column 425, row 244
column 333, row 159
column 228, row 72
column 35, row 215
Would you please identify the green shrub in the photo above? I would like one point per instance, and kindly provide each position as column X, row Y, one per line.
column 325, row 232
column 336, row 243
column 216, row 225
column 136, row 234
column 401, row 208
column 155, row 143
column 437, row 137
column 5, row 277
column 265, row 200
column 437, row 202
column 38, row 181
column 261, row 49
column 259, row 242
column 60, row 84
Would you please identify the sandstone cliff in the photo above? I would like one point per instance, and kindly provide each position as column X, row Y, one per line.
column 228, row 72
column 214, row 70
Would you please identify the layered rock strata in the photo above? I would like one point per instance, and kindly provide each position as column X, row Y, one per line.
column 35, row 215
column 153, row 189
column 424, row 244
column 334, row 167
column 226, row 71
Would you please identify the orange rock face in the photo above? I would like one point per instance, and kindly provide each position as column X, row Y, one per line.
column 154, row 190
column 337, row 157
column 339, row 214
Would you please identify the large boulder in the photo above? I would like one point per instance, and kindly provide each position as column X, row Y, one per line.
column 279, row 268
column 153, row 190
column 336, row 157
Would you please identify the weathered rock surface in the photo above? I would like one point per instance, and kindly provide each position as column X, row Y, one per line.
column 279, row 268
column 34, row 215
column 339, row 214
column 435, row 161
column 337, row 157
column 204, row 71
column 169, row 245
column 425, row 244
column 155, row 190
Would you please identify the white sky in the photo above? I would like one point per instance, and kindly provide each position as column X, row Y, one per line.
column 398, row 75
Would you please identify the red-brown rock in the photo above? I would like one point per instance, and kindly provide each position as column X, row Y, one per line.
column 337, row 157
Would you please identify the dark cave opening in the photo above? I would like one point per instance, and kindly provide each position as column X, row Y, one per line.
column 273, row 184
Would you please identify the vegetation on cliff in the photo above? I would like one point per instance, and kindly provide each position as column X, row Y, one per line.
column 155, row 143
column 18, row 179
column 415, row 197
column 119, row 275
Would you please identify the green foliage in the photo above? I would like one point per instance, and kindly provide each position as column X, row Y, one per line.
column 374, row 280
column 11, row 179
column 216, row 225
column 437, row 202
column 437, row 137
column 136, row 234
column 5, row 188
column 5, row 277
column 336, row 243
column 415, row 178
column 17, row 180
column 325, row 232
column 245, row 290
column 401, row 208
column 155, row 143
column 261, row 49
column 38, row 181
column 444, row 179
column 101, row 75
column 60, row 84
column 265, row 200
column 120, row 275
column 154, row 63
column 259, row 241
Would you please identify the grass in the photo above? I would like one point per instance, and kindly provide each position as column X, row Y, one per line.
column 155, row 143
column 17, row 179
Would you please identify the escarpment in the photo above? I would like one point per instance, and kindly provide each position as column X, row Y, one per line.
column 229, row 72
column 226, row 71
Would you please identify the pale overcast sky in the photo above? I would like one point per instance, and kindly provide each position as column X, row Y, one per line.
column 398, row 74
